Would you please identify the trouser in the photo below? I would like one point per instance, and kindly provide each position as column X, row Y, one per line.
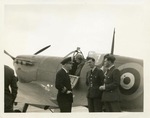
column 94, row 105
column 112, row 106
column 65, row 106
column 8, row 105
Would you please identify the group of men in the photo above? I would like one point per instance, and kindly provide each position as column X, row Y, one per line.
column 103, row 86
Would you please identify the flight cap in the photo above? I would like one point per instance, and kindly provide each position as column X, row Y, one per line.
column 66, row 60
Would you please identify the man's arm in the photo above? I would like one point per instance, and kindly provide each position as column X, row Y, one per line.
column 59, row 83
column 116, row 81
column 14, row 87
column 114, row 84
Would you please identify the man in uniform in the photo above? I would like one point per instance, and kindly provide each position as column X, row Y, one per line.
column 94, row 80
column 80, row 63
column 10, row 88
column 63, row 84
column 110, row 88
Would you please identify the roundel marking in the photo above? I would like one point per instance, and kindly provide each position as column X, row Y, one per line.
column 133, row 77
column 131, row 80
column 127, row 80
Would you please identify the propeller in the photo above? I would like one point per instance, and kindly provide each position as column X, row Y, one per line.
column 9, row 55
column 41, row 50
column 34, row 53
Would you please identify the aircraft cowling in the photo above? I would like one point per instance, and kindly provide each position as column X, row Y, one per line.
column 25, row 68
column 33, row 68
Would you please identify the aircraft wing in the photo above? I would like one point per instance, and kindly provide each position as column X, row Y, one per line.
column 36, row 92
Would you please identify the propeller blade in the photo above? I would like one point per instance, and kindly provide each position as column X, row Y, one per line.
column 42, row 50
column 9, row 55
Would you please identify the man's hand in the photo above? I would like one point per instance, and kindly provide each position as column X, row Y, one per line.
column 64, row 90
column 102, row 87
column 68, row 92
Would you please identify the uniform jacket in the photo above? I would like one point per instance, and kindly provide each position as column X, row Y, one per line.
column 63, row 80
column 111, row 81
column 94, row 80
column 10, row 88
column 10, row 83
column 79, row 68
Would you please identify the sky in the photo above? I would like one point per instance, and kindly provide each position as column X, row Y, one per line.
column 29, row 25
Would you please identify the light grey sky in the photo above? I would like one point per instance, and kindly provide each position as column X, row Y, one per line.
column 29, row 25
column 65, row 25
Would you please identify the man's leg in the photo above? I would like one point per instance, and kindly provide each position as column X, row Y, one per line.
column 107, row 107
column 8, row 105
column 97, row 105
column 65, row 106
column 90, row 105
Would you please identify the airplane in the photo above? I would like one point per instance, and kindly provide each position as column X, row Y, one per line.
column 36, row 80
